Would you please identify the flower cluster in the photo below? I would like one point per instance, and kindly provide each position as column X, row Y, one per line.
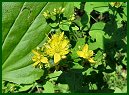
column 39, row 58
column 49, row 14
column 56, row 47
column 86, row 54
column 116, row 4
column 72, row 18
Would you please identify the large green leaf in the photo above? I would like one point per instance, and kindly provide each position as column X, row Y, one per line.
column 8, row 17
column 23, row 29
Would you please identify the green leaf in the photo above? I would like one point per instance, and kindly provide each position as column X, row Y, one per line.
column 98, row 56
column 124, row 90
column 26, row 75
column 48, row 87
column 54, row 24
column 98, row 6
column 98, row 26
column 74, row 79
column 93, row 87
column 98, row 35
column 64, row 26
column 101, row 6
column 83, row 21
column 117, row 90
column 10, row 12
column 55, row 74
column 77, row 66
column 125, row 13
column 77, row 4
column 63, row 87
column 80, row 43
column 25, row 87
column 69, row 9
column 88, row 7
column 88, row 71
column 26, row 30
column 75, row 28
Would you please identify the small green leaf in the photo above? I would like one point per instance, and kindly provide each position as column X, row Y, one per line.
column 63, row 87
column 98, row 56
column 77, row 4
column 53, row 18
column 77, row 66
column 48, row 87
column 54, row 24
column 75, row 28
column 64, row 26
column 55, row 74
column 88, row 71
column 98, row 26
column 25, row 87
column 98, row 35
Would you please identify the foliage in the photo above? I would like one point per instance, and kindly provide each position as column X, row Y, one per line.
column 64, row 47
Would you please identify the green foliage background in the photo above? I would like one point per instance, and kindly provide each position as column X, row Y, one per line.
column 24, row 28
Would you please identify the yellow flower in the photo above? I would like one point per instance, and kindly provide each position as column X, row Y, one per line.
column 47, row 14
column 57, row 47
column 38, row 58
column 86, row 54
column 58, row 11
column 116, row 4
column 72, row 17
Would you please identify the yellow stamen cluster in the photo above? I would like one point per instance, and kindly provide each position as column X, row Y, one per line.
column 86, row 54
column 57, row 47
column 38, row 58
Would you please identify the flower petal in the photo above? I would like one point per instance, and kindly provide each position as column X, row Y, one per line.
column 34, row 58
column 35, row 52
column 57, row 58
column 36, row 63
column 85, row 48
column 80, row 53
column 44, row 60
column 63, row 57
column 61, row 36
column 64, row 43
column 91, row 60
column 90, row 53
